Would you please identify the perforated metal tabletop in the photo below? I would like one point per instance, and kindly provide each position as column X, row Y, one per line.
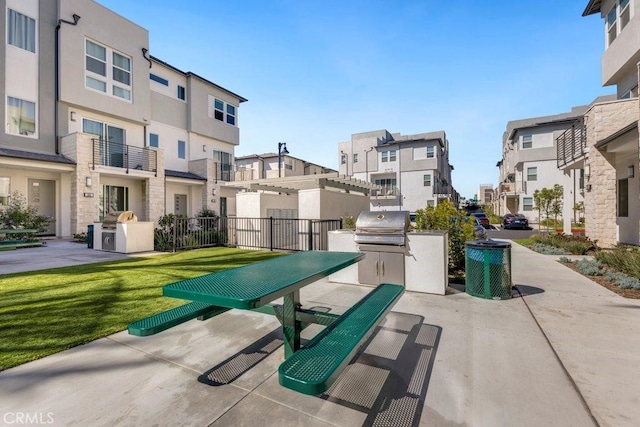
column 257, row 284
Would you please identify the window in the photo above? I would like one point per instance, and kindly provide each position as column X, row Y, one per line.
column 181, row 93
column 343, row 159
column 431, row 203
column 527, row 203
column 532, row 174
column 388, row 156
column 527, row 141
column 427, row 180
column 21, row 117
column 431, row 152
column 355, row 157
column 154, row 140
column 231, row 114
column 623, row 197
column 182, row 150
column 218, row 106
column 111, row 142
column 21, row 31
column 289, row 164
column 159, row 80
column 617, row 18
column 5, row 190
column 98, row 61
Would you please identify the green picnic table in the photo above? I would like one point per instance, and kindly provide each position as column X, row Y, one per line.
column 310, row 369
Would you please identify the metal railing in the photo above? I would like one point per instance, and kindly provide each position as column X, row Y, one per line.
column 572, row 143
column 513, row 187
column 386, row 191
column 116, row 155
column 227, row 172
column 248, row 233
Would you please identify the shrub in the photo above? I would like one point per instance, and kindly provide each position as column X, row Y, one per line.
column 624, row 259
column 168, row 226
column 548, row 250
column 564, row 260
column 576, row 245
column 18, row 214
column 445, row 216
column 590, row 267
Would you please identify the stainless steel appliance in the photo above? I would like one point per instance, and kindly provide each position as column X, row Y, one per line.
column 382, row 236
column 109, row 225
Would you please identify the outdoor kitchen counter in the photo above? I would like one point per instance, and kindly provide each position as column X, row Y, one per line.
column 426, row 260
column 130, row 237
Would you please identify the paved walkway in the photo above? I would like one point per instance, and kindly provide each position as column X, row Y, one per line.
column 567, row 353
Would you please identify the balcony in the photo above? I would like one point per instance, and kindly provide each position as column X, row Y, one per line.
column 128, row 157
column 442, row 190
column 571, row 145
column 385, row 192
column 512, row 188
column 227, row 172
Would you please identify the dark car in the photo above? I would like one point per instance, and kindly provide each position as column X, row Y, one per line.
column 510, row 221
column 484, row 220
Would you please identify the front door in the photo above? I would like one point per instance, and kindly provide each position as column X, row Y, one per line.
column 42, row 196
column 180, row 204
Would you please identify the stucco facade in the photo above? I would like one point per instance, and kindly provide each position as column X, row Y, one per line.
column 112, row 128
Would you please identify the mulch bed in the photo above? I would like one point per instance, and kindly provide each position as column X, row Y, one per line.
column 601, row 280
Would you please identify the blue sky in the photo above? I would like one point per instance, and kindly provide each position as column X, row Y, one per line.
column 316, row 72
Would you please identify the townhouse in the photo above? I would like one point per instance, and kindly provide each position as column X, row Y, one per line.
column 605, row 144
column 274, row 165
column 95, row 124
column 413, row 171
column 529, row 163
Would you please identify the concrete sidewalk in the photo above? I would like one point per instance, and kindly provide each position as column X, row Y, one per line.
column 567, row 353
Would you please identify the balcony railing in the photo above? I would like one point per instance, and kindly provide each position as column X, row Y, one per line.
column 512, row 188
column 116, row 155
column 571, row 145
column 386, row 191
column 442, row 190
column 228, row 172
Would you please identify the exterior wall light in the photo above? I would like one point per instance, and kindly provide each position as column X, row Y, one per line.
column 88, row 181
column 630, row 171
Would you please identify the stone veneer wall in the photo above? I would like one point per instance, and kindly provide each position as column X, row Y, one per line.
column 153, row 193
column 602, row 121
column 84, row 210
column 206, row 168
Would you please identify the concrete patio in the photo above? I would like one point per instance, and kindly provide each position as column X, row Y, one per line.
column 563, row 352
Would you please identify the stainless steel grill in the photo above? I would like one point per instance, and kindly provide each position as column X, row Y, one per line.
column 382, row 228
column 113, row 218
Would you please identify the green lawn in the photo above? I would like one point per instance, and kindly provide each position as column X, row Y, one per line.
column 44, row 312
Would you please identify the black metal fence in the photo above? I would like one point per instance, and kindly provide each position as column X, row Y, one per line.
column 249, row 233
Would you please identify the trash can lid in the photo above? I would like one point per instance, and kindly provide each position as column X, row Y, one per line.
column 488, row 244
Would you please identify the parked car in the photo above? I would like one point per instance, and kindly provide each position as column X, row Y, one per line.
column 510, row 221
column 484, row 220
column 481, row 232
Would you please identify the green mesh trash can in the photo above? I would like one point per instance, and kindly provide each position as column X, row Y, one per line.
column 488, row 269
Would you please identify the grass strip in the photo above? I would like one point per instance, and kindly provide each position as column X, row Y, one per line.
column 44, row 312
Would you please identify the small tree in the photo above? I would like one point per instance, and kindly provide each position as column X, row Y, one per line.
column 447, row 217
column 548, row 201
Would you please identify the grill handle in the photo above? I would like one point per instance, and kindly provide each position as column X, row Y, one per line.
column 377, row 269
column 382, row 268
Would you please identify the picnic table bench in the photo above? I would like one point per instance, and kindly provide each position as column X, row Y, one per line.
column 310, row 369
column 13, row 242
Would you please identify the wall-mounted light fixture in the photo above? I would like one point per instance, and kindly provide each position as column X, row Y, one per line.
column 88, row 181
column 213, row 191
column 73, row 116
column 630, row 171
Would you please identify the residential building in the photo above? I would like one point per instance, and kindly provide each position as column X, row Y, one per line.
column 270, row 165
column 529, row 163
column 485, row 194
column 605, row 144
column 413, row 171
column 95, row 124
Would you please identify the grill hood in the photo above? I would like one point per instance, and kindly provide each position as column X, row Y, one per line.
column 382, row 227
